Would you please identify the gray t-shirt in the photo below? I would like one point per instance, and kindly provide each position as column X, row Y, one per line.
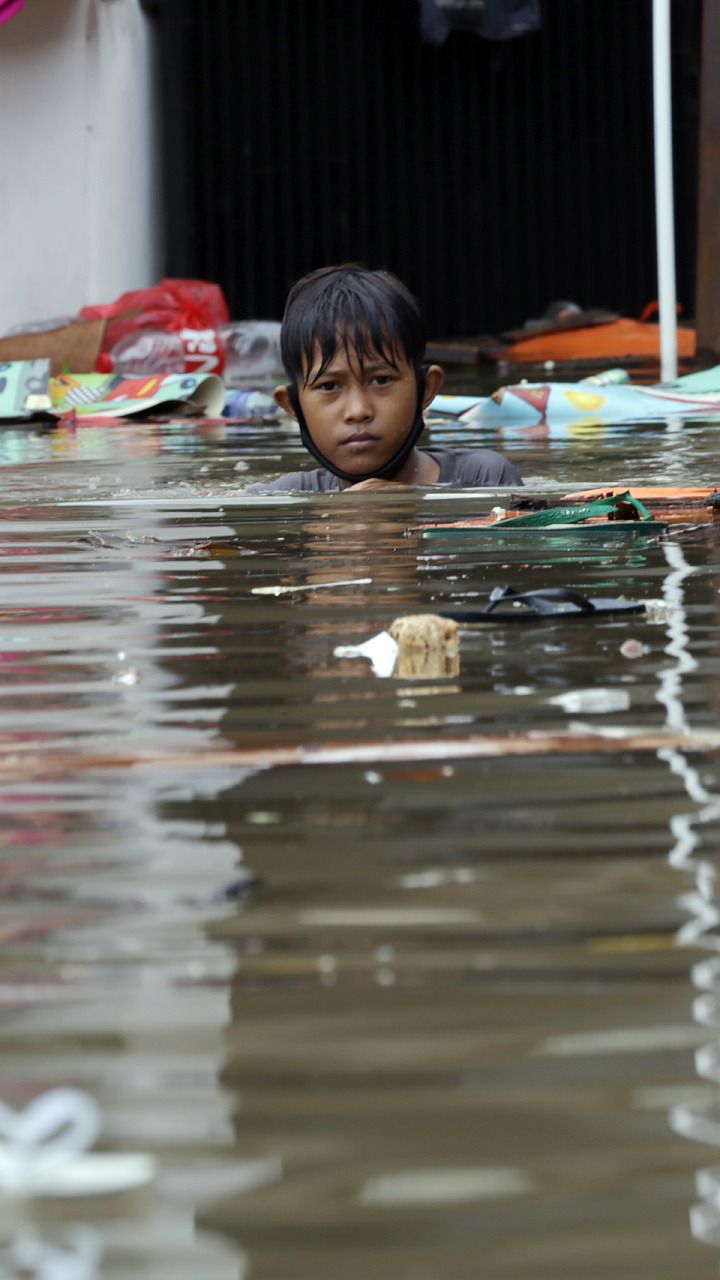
column 471, row 468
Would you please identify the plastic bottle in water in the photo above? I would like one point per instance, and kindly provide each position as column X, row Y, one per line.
column 252, row 405
column 252, row 351
column 242, row 351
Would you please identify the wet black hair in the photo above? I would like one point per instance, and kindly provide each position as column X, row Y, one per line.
column 368, row 312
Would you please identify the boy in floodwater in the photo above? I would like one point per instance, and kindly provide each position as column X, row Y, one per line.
column 353, row 343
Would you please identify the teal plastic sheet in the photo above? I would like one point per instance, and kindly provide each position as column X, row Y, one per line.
column 24, row 390
column 585, row 403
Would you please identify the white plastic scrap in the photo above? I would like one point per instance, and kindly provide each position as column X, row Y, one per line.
column 308, row 586
column 381, row 649
column 588, row 701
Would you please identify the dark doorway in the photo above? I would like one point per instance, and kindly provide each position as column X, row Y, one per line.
column 492, row 176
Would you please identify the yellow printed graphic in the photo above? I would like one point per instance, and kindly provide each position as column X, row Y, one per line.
column 585, row 400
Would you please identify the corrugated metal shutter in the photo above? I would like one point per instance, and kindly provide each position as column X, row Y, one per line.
column 491, row 176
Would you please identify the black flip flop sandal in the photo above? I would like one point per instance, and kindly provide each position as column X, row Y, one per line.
column 508, row 605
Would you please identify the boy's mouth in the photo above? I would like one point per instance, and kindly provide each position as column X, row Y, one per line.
column 359, row 440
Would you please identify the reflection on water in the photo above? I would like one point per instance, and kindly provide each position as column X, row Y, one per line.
column 700, row 1122
column 431, row 1018
column 75, row 1257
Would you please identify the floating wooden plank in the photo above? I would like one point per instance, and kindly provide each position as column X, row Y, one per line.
column 664, row 496
column 21, row 763
column 470, row 350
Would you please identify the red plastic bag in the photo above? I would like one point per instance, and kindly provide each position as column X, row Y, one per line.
column 170, row 305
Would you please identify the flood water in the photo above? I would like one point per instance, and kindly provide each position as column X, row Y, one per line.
column 382, row 1003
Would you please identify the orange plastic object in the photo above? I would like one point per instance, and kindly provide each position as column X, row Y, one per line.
column 617, row 340
column 648, row 493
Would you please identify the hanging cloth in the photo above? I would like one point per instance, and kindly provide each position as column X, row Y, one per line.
column 492, row 19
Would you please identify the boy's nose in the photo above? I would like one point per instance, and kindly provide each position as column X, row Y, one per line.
column 358, row 407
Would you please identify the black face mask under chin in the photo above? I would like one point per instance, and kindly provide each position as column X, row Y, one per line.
column 392, row 467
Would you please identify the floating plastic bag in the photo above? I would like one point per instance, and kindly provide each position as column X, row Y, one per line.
column 170, row 305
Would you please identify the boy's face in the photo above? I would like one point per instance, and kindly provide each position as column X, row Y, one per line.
column 359, row 415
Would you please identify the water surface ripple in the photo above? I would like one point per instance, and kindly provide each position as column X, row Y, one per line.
column 379, row 1007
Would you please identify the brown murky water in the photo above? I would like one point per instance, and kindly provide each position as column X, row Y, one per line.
column 394, row 1011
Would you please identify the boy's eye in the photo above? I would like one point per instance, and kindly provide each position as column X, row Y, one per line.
column 382, row 379
column 327, row 384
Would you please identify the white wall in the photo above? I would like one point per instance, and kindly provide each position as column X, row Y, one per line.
column 79, row 182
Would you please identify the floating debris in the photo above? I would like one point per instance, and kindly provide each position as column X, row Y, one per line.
column 633, row 648
column 308, row 586
column 428, row 646
column 419, row 646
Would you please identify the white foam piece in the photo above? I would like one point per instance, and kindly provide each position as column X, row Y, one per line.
column 426, row 1187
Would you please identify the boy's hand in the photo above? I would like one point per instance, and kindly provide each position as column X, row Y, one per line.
column 374, row 483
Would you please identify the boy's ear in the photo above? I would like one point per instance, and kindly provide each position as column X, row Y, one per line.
column 281, row 396
column 434, row 378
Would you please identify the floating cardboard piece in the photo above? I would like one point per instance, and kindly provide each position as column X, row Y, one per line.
column 73, row 346
column 114, row 396
column 24, row 390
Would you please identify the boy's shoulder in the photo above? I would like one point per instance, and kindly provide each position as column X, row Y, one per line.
column 318, row 480
column 474, row 467
column 471, row 468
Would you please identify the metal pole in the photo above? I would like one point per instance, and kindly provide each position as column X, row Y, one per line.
column 664, row 209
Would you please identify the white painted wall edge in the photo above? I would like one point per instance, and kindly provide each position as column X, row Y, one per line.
column 80, row 211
